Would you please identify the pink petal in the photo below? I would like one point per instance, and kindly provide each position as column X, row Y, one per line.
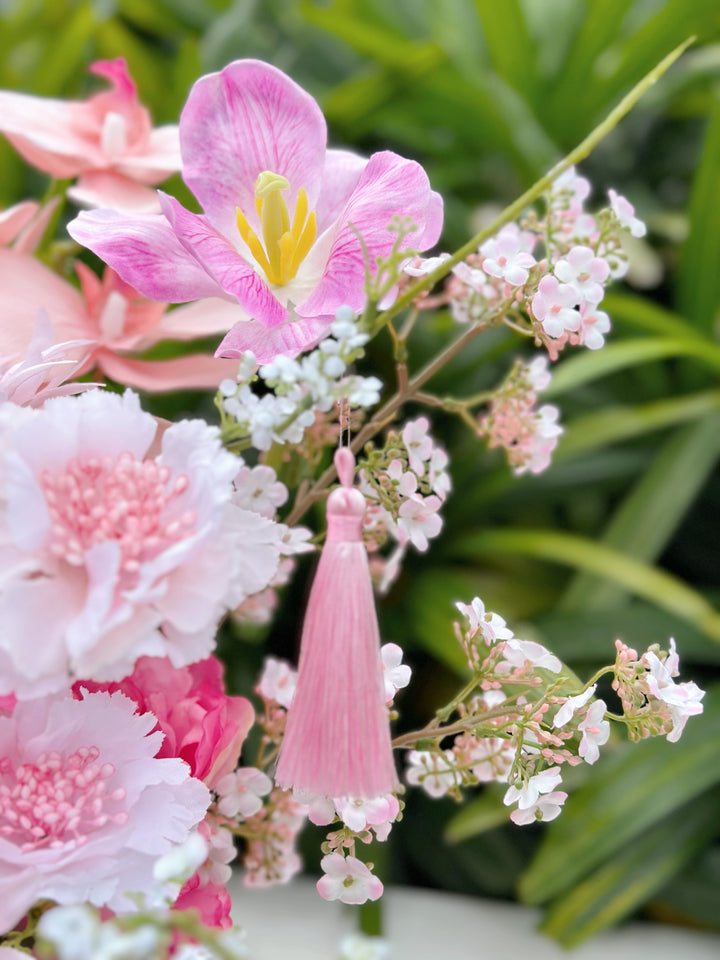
column 144, row 250
column 57, row 136
column 389, row 186
column 159, row 159
column 30, row 236
column 13, row 219
column 340, row 178
column 195, row 371
column 287, row 339
column 26, row 287
column 103, row 188
column 202, row 319
column 248, row 118
column 234, row 275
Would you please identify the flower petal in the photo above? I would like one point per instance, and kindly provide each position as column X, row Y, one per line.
column 100, row 188
column 389, row 186
column 195, row 371
column 144, row 250
column 14, row 219
column 27, row 286
column 340, row 178
column 221, row 260
column 248, row 118
column 287, row 339
column 202, row 319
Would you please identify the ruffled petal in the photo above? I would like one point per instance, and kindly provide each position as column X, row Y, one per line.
column 221, row 260
column 389, row 186
column 248, row 118
column 144, row 250
column 287, row 339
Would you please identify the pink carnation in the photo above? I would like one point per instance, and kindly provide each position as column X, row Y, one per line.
column 86, row 806
column 201, row 724
column 109, row 554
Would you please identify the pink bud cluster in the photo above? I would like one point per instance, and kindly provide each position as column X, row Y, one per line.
column 653, row 704
column 528, row 434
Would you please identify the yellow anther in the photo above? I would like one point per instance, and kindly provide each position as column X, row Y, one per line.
column 283, row 247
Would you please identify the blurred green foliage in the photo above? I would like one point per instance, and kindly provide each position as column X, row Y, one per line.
column 620, row 537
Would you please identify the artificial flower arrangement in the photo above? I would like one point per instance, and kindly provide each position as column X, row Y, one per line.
column 126, row 540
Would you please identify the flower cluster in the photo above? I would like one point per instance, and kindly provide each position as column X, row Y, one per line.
column 552, row 270
column 405, row 484
column 528, row 434
column 519, row 724
column 295, row 390
column 653, row 704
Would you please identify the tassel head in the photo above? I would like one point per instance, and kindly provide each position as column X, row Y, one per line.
column 337, row 738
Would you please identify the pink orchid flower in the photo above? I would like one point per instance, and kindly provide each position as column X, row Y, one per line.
column 282, row 214
column 113, row 321
column 107, row 141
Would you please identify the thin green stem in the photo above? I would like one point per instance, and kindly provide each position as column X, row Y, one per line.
column 537, row 189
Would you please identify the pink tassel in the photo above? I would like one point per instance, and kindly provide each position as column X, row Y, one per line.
column 337, row 738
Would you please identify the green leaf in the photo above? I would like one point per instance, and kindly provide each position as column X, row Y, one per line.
column 630, row 792
column 615, row 424
column 663, row 589
column 631, row 310
column 478, row 815
column 511, row 48
column 649, row 516
column 699, row 280
column 621, row 885
column 583, row 368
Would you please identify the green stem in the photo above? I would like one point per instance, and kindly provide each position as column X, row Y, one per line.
column 537, row 189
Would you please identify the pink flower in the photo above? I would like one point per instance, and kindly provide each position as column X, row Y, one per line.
column 508, row 255
column 201, row 724
column 114, row 322
column 108, row 141
column 682, row 699
column 553, row 306
column 545, row 808
column 595, row 732
column 241, row 792
column 277, row 682
column 109, row 554
column 211, row 900
column 347, row 879
column 418, row 444
column 42, row 373
column 281, row 214
column 584, row 272
column 419, row 520
column 86, row 806
column 434, row 771
column 625, row 212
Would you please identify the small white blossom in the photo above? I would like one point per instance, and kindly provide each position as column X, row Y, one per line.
column 527, row 795
column 396, row 674
column 521, row 653
column 277, row 682
column 571, row 705
column 625, row 212
column 595, row 730
column 433, row 771
column 347, row 879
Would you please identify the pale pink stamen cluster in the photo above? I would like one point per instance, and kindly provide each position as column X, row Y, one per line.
column 58, row 800
column 528, row 434
column 115, row 498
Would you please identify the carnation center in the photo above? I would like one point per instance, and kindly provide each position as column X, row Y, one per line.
column 57, row 801
column 283, row 246
column 129, row 501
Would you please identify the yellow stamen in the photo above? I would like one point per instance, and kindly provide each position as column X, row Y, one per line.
column 283, row 247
